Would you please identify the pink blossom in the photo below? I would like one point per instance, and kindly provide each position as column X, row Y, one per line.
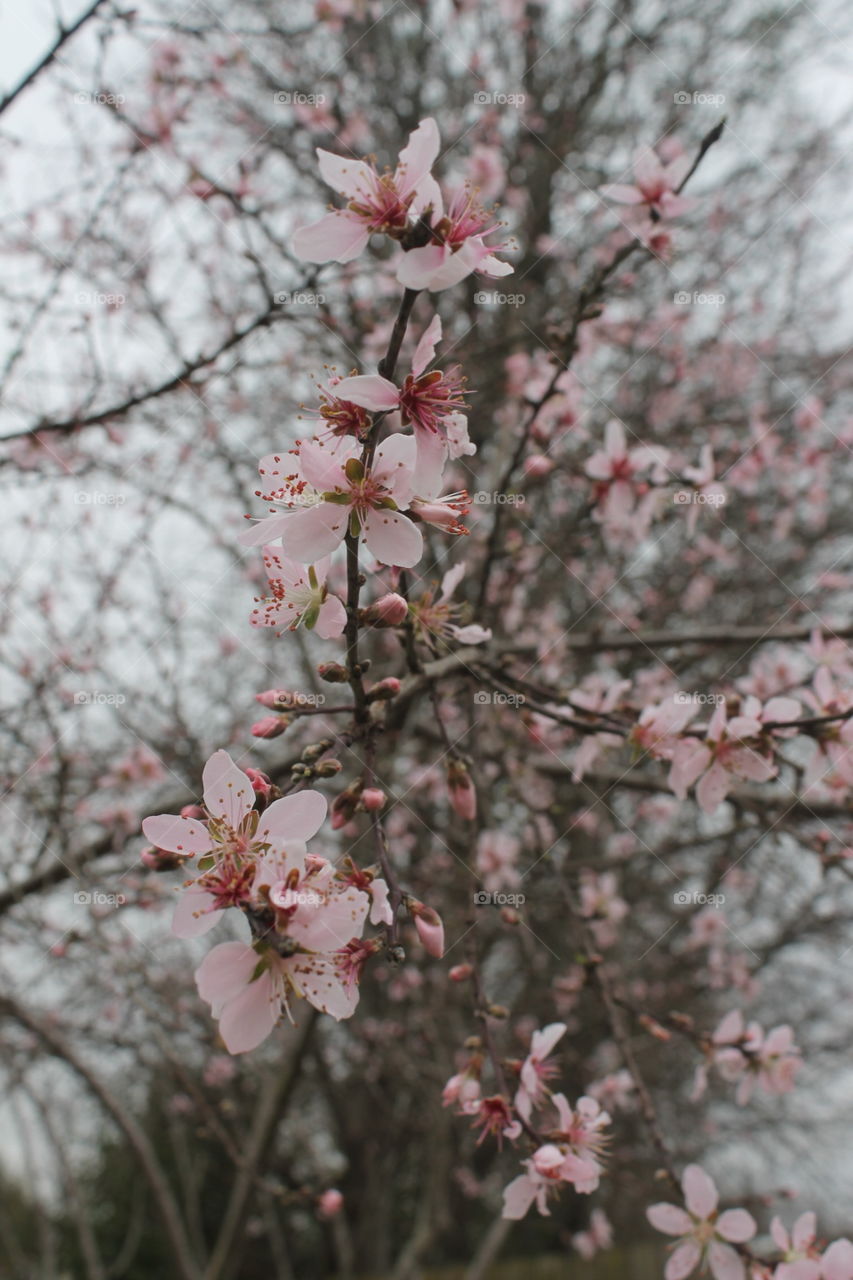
column 429, row 926
column 434, row 615
column 231, row 840
column 705, row 1236
column 432, row 402
column 330, row 1203
column 330, row 492
column 597, row 1237
column 624, row 503
column 572, row 1156
column 299, row 596
column 736, row 748
column 801, row 1260
column 458, row 246
column 655, row 185
column 375, row 202
column 535, row 1070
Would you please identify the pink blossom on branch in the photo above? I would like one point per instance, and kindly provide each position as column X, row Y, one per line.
column 299, row 597
column 706, row 1237
column 655, row 185
column 386, row 202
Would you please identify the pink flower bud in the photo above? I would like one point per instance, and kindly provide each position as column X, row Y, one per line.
column 193, row 811
column 343, row 808
column 269, row 727
column 390, row 611
column 429, row 926
column 272, row 697
column 330, row 1203
column 538, row 465
column 460, row 972
column 385, row 689
column 373, row 799
column 332, row 672
column 261, row 784
column 461, row 791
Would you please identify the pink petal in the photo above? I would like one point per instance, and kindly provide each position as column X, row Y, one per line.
column 395, row 464
column 318, row 979
column 322, row 465
column 337, row 237
column 648, row 169
column 249, row 1018
column 683, row 1261
column 348, row 177
column 805, row 1230
column 725, row 1264
column 518, row 1197
column 228, row 793
column 177, row 835
column 712, row 790
column 425, row 350
column 224, row 972
column 369, row 390
column 420, row 265
column 542, row 1042
column 622, row 194
column 429, row 464
column 297, row 817
column 193, row 915
column 264, row 531
column 418, row 156
column 838, row 1261
column 332, row 619
column 736, row 1225
column 331, row 926
column 393, row 539
column 315, row 532
column 495, row 267
column 700, row 1194
column 669, row 1219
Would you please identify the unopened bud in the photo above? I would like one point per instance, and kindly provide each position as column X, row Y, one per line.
column 330, row 1203
column 275, row 699
column 270, row 727
column 344, row 807
column 461, row 790
column 315, row 749
column 385, row 689
column 390, row 611
column 429, row 926
column 461, row 972
column 372, row 799
column 327, row 768
column 332, row 672
column 261, row 784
